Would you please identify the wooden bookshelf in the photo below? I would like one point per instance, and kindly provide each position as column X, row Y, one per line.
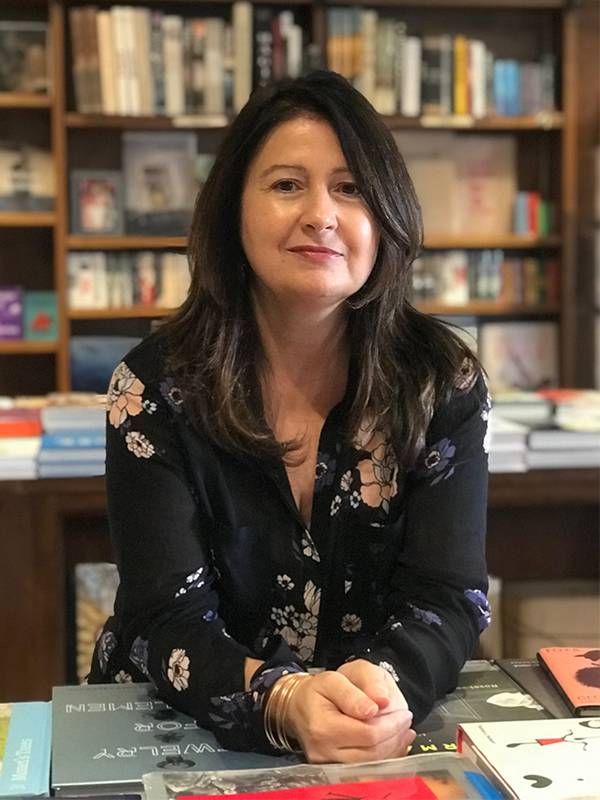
column 546, row 144
column 23, row 348
column 27, row 219
column 158, row 123
column 16, row 100
column 542, row 122
column 488, row 308
column 74, row 242
column 128, row 312
column 508, row 242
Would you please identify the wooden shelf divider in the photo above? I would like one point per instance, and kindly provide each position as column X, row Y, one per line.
column 488, row 308
column 76, row 242
column 27, row 219
column 127, row 312
column 24, row 347
column 20, row 100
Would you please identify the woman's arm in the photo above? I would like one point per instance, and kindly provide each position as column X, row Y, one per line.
column 168, row 602
column 437, row 596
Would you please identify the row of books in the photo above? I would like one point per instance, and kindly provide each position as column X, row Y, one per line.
column 433, row 74
column 533, row 215
column 139, row 60
column 29, row 315
column 119, row 280
column 466, row 183
column 457, row 277
column 484, row 739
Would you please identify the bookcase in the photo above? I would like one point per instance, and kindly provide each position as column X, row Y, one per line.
column 35, row 246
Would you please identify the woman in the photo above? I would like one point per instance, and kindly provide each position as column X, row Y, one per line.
column 296, row 471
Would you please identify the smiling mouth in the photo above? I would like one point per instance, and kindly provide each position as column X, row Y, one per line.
column 316, row 251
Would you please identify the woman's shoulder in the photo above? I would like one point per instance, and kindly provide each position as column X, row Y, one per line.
column 147, row 360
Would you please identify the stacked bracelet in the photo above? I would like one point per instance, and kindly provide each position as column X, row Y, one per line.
column 276, row 710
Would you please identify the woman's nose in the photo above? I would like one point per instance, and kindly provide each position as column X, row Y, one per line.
column 320, row 212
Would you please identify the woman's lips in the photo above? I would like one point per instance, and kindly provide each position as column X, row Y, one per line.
column 315, row 254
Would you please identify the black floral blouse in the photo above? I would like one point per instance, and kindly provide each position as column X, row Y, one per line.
column 216, row 563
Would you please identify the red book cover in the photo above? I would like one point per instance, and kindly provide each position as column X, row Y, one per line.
column 533, row 206
column 409, row 788
column 20, row 422
column 576, row 673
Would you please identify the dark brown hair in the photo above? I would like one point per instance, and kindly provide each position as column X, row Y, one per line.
column 402, row 361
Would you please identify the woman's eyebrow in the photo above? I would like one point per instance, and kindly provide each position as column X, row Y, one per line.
column 297, row 168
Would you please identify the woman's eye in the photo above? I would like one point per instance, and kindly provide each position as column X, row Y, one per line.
column 349, row 188
column 286, row 186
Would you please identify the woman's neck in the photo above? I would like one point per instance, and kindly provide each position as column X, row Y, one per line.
column 307, row 356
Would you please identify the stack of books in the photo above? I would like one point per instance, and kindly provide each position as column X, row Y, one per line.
column 20, row 437
column 74, row 439
column 508, row 445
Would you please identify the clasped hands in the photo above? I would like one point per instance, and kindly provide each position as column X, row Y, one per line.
column 355, row 713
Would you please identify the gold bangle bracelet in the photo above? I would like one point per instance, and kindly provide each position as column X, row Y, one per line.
column 276, row 710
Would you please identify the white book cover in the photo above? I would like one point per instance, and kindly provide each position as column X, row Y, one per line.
column 477, row 78
column 82, row 288
column 519, row 355
column 486, row 184
column 453, row 278
column 410, row 93
column 550, row 759
column 123, row 102
column 215, row 68
column 242, row 48
column 429, row 160
column 143, row 67
column 106, row 54
column 368, row 38
column 132, row 47
column 172, row 27
column 577, row 458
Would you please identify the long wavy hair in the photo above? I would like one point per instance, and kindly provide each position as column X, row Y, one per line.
column 402, row 362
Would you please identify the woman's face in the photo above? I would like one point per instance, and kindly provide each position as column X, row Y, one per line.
column 306, row 232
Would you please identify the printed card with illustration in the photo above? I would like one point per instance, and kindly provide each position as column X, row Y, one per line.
column 550, row 759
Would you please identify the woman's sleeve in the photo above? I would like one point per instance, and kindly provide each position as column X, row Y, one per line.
column 437, row 600
column 168, row 603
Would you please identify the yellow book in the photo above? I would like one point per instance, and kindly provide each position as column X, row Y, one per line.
column 461, row 75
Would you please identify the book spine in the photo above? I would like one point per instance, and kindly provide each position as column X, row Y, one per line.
column 242, row 49
column 461, row 76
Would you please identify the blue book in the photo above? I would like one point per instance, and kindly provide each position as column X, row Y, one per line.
column 513, row 87
column 74, row 439
column 25, row 738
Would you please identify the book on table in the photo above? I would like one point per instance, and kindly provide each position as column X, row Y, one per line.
column 423, row 777
column 575, row 671
column 25, row 730
column 528, row 673
column 550, row 759
column 484, row 692
column 105, row 737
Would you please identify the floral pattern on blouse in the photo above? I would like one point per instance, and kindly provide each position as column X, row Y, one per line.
column 482, row 606
column 178, row 672
column 211, row 576
column 124, row 397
